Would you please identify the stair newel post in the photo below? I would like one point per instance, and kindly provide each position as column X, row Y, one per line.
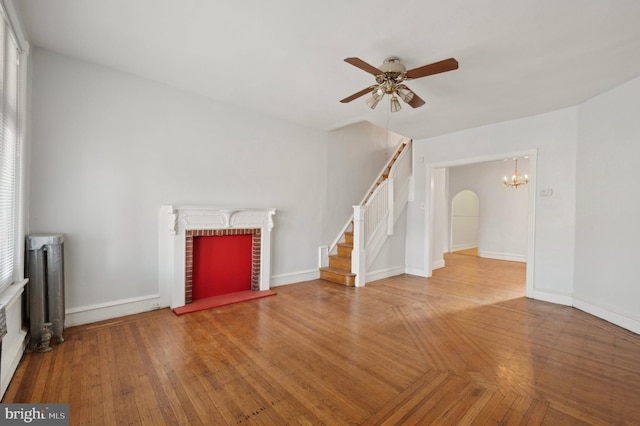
column 359, row 253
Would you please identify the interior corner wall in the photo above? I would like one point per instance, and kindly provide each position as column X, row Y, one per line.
column 554, row 136
column 109, row 148
column 607, row 206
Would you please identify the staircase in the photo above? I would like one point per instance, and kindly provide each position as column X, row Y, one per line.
column 378, row 206
column 339, row 269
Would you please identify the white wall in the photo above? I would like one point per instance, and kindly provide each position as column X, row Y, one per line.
column 440, row 213
column 390, row 260
column 350, row 174
column 109, row 148
column 503, row 219
column 607, row 274
column 553, row 137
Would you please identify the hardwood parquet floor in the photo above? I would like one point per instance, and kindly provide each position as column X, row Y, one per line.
column 462, row 347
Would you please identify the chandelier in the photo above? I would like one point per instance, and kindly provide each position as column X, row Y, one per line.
column 389, row 83
column 516, row 180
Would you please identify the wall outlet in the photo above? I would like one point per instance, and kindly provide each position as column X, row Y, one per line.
column 155, row 305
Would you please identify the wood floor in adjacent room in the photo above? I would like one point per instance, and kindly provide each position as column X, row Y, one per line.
column 464, row 347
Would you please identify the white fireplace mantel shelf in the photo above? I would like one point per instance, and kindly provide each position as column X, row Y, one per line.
column 176, row 220
column 213, row 218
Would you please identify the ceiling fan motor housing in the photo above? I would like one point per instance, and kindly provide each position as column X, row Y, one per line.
column 393, row 68
column 393, row 73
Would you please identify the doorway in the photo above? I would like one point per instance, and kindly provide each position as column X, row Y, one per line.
column 500, row 201
column 465, row 216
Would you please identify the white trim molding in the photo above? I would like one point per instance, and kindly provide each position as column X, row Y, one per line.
column 109, row 310
column 503, row 256
column 437, row 263
column 553, row 297
column 15, row 25
column 417, row 272
column 626, row 322
column 294, row 277
column 14, row 342
column 385, row 273
column 464, row 247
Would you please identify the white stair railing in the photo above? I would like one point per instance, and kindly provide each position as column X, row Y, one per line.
column 400, row 176
column 325, row 251
column 376, row 209
column 373, row 220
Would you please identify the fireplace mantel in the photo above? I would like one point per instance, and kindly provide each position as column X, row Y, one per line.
column 176, row 220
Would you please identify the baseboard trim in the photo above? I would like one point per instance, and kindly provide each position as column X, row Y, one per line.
column 119, row 308
column 417, row 272
column 620, row 320
column 464, row 247
column 437, row 264
column 557, row 298
column 294, row 277
column 384, row 273
column 105, row 311
column 503, row 256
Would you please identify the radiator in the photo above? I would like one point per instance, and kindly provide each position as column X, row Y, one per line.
column 45, row 268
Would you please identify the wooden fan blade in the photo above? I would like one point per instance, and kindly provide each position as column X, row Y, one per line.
column 435, row 68
column 356, row 62
column 358, row 94
column 416, row 101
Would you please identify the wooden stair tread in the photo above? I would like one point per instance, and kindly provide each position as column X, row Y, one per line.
column 340, row 261
column 337, row 271
column 344, row 249
column 338, row 276
column 338, row 256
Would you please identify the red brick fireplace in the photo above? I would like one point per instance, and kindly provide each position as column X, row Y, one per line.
column 179, row 225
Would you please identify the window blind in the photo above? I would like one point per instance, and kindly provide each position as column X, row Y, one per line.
column 8, row 153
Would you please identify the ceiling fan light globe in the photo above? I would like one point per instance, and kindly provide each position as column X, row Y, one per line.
column 405, row 94
column 378, row 93
column 373, row 101
column 395, row 104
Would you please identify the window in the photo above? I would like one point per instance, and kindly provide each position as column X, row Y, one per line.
column 8, row 154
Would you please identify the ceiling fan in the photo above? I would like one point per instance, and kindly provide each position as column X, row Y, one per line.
column 390, row 77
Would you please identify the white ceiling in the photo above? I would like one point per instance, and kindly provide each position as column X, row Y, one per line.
column 285, row 57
